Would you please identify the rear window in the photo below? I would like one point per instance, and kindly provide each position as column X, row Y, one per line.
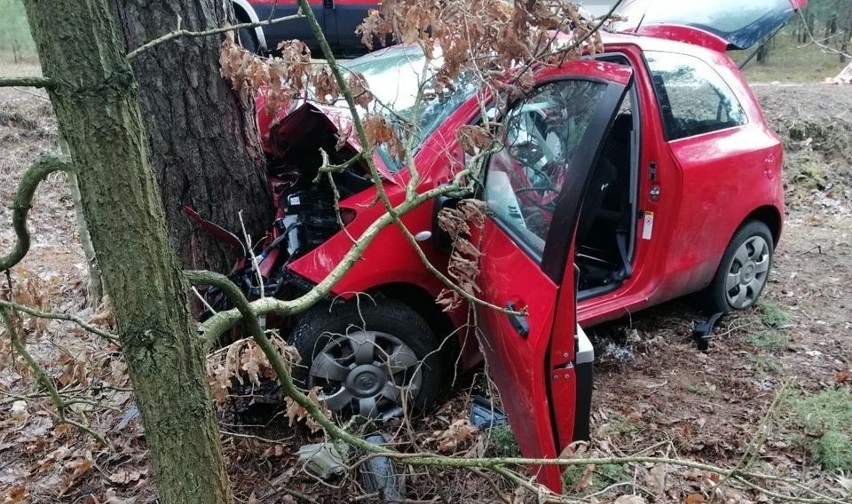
column 693, row 98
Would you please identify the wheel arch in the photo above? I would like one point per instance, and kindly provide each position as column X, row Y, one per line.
column 418, row 299
column 245, row 13
column 768, row 215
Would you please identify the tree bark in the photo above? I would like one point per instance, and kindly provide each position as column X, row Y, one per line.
column 96, row 102
column 205, row 148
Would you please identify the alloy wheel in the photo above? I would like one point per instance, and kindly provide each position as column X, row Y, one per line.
column 748, row 273
column 366, row 373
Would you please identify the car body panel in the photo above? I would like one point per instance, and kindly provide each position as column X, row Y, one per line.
column 715, row 24
column 440, row 156
column 535, row 362
column 337, row 18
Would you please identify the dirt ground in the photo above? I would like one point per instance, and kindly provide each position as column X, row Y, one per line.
column 655, row 393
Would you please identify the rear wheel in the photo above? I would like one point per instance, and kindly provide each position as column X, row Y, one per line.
column 744, row 270
column 370, row 358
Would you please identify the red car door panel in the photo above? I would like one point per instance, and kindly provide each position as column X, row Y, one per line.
column 527, row 262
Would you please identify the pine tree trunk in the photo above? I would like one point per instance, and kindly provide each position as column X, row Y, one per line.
column 205, row 148
column 97, row 106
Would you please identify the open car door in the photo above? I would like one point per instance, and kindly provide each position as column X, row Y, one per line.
column 533, row 189
column 718, row 24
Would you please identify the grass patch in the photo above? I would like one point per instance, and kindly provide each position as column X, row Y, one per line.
column 15, row 38
column 620, row 425
column 824, row 421
column 700, row 390
column 766, row 366
column 771, row 341
column 788, row 62
column 603, row 476
column 772, row 315
column 503, row 442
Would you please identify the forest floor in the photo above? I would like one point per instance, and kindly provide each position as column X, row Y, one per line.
column 773, row 394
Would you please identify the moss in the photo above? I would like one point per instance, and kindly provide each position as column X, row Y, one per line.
column 825, row 421
column 504, row 442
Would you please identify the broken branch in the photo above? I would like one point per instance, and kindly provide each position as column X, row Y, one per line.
column 36, row 82
column 113, row 338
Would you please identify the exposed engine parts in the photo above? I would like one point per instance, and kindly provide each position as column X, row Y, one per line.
column 305, row 212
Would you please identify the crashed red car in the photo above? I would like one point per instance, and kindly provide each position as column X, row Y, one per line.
column 628, row 178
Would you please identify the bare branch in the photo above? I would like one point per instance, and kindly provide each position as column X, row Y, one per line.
column 113, row 338
column 22, row 203
column 180, row 33
column 36, row 82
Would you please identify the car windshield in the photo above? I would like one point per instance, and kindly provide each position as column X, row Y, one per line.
column 396, row 74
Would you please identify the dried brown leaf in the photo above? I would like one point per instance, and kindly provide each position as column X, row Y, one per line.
column 474, row 138
column 125, row 477
column 379, row 131
column 452, row 437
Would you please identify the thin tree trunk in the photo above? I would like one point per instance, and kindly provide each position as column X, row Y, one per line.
column 205, row 149
column 97, row 107
column 94, row 288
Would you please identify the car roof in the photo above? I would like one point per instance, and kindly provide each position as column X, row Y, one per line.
column 649, row 43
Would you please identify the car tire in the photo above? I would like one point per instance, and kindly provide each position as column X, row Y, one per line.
column 247, row 39
column 744, row 269
column 368, row 356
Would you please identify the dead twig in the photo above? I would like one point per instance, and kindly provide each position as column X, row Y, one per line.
column 180, row 33
column 111, row 337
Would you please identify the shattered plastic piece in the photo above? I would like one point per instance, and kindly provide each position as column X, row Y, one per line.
column 618, row 353
column 379, row 476
column 131, row 413
column 323, row 459
column 484, row 416
column 703, row 331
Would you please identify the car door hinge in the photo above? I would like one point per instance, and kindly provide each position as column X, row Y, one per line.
column 652, row 171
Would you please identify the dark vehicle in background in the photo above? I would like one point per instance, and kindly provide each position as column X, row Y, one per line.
column 338, row 19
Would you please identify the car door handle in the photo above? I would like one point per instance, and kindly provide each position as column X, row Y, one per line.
column 520, row 323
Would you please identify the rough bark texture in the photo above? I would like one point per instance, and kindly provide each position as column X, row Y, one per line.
column 97, row 106
column 205, row 148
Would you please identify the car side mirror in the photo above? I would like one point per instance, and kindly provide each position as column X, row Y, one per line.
column 440, row 238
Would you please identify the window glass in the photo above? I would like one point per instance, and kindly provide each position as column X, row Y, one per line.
column 542, row 134
column 693, row 98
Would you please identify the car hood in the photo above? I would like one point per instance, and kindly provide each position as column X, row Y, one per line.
column 717, row 24
column 288, row 126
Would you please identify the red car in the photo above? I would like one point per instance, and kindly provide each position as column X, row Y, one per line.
column 337, row 18
column 626, row 179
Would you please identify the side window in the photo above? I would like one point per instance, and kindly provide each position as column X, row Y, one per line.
column 541, row 135
column 693, row 98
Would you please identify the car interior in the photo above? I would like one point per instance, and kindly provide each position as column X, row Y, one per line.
column 606, row 232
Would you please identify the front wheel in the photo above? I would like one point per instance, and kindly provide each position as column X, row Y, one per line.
column 369, row 358
column 744, row 270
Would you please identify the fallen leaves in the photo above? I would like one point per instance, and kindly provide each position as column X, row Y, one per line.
column 19, row 412
column 296, row 412
column 629, row 499
column 457, row 434
column 124, row 477
column 244, row 362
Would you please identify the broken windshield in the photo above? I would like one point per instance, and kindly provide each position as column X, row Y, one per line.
column 397, row 75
